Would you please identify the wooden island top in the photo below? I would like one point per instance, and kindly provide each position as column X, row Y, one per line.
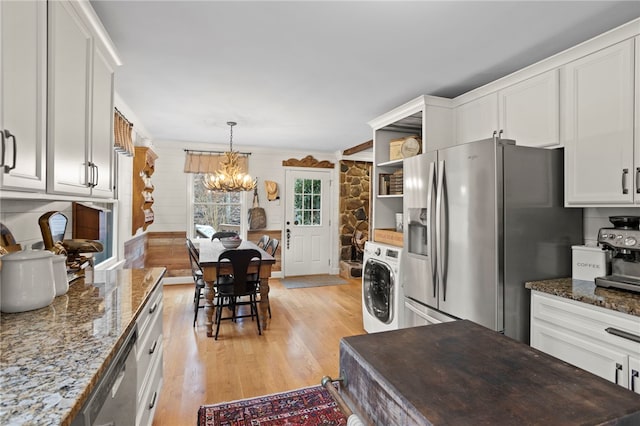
column 460, row 373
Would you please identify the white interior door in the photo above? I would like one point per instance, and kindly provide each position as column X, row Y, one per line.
column 307, row 222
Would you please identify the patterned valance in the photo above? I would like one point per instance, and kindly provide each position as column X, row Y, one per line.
column 122, row 139
column 209, row 162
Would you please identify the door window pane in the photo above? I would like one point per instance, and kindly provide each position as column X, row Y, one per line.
column 307, row 201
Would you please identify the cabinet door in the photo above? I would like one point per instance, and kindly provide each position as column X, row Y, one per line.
column 23, row 60
column 634, row 374
column 477, row 119
column 597, row 359
column 597, row 113
column 101, row 174
column 69, row 101
column 637, row 124
column 530, row 111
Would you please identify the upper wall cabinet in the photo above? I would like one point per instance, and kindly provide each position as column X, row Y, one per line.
column 80, row 105
column 23, row 62
column 527, row 112
column 477, row 119
column 598, row 128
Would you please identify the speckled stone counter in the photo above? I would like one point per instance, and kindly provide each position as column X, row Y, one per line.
column 51, row 358
column 587, row 292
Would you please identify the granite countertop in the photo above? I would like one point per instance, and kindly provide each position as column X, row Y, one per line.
column 623, row 301
column 51, row 358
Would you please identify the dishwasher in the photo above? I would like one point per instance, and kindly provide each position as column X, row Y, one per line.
column 113, row 400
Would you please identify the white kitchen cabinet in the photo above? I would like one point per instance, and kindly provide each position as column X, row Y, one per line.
column 597, row 111
column 80, row 95
column 102, row 154
column 527, row 111
column 634, row 374
column 587, row 336
column 149, row 358
column 477, row 119
column 637, row 123
column 23, row 65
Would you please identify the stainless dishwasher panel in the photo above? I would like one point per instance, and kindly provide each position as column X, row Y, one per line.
column 113, row 401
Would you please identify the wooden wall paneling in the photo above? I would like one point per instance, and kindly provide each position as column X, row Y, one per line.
column 168, row 249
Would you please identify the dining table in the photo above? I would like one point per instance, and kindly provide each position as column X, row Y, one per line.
column 209, row 252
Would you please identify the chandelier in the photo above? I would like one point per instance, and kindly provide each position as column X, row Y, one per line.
column 229, row 177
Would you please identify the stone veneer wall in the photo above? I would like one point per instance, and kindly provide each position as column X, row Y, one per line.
column 355, row 195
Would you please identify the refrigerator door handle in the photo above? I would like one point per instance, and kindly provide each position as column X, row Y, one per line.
column 439, row 236
column 431, row 183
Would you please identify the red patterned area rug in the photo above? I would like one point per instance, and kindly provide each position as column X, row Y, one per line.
column 308, row 406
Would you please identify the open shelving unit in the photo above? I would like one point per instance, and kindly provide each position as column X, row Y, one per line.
column 429, row 118
column 142, row 198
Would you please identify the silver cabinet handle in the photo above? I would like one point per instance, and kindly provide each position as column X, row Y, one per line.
column 153, row 308
column 2, row 153
column 623, row 334
column 495, row 135
column 153, row 400
column 638, row 180
column 625, row 172
column 7, row 134
column 96, row 175
column 634, row 376
column 500, row 133
column 618, row 368
column 152, row 349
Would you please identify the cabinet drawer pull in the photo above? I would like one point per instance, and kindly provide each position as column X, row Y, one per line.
column 618, row 368
column 96, row 175
column 625, row 172
column 634, row 376
column 638, row 180
column 623, row 334
column 153, row 400
column 153, row 308
column 152, row 349
column 3, row 147
column 8, row 134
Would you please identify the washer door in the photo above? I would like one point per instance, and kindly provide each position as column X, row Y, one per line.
column 377, row 289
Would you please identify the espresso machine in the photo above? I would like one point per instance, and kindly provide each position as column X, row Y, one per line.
column 623, row 240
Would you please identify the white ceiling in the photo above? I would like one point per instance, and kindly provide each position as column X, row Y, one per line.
column 311, row 74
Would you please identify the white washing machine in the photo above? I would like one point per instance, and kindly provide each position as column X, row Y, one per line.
column 382, row 294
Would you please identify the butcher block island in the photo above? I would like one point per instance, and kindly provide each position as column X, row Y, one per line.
column 459, row 373
column 53, row 360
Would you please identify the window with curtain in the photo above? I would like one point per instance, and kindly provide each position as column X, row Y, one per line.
column 215, row 211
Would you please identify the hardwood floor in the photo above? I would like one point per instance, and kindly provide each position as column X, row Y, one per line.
column 299, row 348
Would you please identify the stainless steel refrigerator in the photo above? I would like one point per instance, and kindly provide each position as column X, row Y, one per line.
column 481, row 219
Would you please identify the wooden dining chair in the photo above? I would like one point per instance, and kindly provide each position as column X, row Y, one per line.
column 198, row 278
column 272, row 246
column 243, row 285
column 263, row 241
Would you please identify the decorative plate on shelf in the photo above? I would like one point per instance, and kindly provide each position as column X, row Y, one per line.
column 410, row 147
